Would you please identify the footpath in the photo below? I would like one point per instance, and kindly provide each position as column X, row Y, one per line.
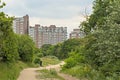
column 30, row 73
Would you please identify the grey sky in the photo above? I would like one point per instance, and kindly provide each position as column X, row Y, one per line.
column 67, row 13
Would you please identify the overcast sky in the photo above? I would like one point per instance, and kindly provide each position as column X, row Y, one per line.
column 66, row 13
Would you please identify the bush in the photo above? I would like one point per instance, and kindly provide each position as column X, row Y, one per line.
column 26, row 48
column 37, row 60
column 70, row 62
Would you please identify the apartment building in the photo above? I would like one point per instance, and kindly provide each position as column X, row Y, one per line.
column 21, row 25
column 48, row 35
column 77, row 33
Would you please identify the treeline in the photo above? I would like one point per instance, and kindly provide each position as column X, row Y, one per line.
column 60, row 50
column 16, row 51
column 97, row 55
column 14, row 47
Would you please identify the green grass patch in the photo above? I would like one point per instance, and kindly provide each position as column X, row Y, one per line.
column 11, row 71
column 49, row 74
column 85, row 72
column 78, row 71
column 50, row 60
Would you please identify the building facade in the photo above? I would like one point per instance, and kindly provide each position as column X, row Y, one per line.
column 21, row 25
column 48, row 35
column 77, row 33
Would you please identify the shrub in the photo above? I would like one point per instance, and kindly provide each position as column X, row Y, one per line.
column 37, row 60
column 70, row 62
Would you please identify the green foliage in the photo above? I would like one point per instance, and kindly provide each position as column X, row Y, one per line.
column 8, row 41
column 68, row 46
column 13, row 46
column 57, row 50
column 26, row 48
column 2, row 4
column 50, row 60
column 101, row 9
column 10, row 71
column 100, row 48
column 73, row 60
column 80, row 71
column 49, row 74
column 53, row 72
column 103, row 51
column 46, row 49
column 9, row 50
column 37, row 60
column 70, row 62
column 60, row 50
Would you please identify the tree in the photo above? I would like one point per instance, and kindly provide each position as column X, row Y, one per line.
column 26, row 48
column 46, row 49
column 57, row 50
column 102, row 52
column 8, row 41
column 101, row 9
column 68, row 46
column 2, row 4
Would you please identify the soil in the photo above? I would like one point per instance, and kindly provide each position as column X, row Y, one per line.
column 30, row 73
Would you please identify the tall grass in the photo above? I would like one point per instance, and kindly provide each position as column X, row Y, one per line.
column 87, row 73
column 50, row 60
column 10, row 71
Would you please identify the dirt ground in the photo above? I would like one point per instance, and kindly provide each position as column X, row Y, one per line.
column 30, row 73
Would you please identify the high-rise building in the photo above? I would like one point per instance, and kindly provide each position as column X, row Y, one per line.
column 21, row 25
column 77, row 33
column 32, row 33
column 48, row 35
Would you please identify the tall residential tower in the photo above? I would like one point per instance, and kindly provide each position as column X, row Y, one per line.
column 48, row 35
column 21, row 25
column 77, row 33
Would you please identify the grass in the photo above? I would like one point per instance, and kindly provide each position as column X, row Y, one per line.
column 87, row 73
column 49, row 75
column 50, row 60
column 11, row 71
column 78, row 71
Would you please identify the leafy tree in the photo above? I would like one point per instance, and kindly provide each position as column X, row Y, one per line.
column 26, row 48
column 57, row 50
column 74, row 59
column 8, row 41
column 2, row 4
column 68, row 46
column 102, row 50
column 101, row 9
column 46, row 49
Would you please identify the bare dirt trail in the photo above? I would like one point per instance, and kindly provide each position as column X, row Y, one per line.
column 30, row 73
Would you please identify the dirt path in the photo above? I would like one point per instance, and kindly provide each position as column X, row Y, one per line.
column 30, row 73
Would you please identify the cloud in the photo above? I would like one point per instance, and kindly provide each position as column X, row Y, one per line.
column 16, row 8
column 46, row 8
column 46, row 12
column 70, row 23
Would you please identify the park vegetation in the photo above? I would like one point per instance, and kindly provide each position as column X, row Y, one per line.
column 49, row 75
column 94, row 57
column 16, row 51
column 97, row 55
